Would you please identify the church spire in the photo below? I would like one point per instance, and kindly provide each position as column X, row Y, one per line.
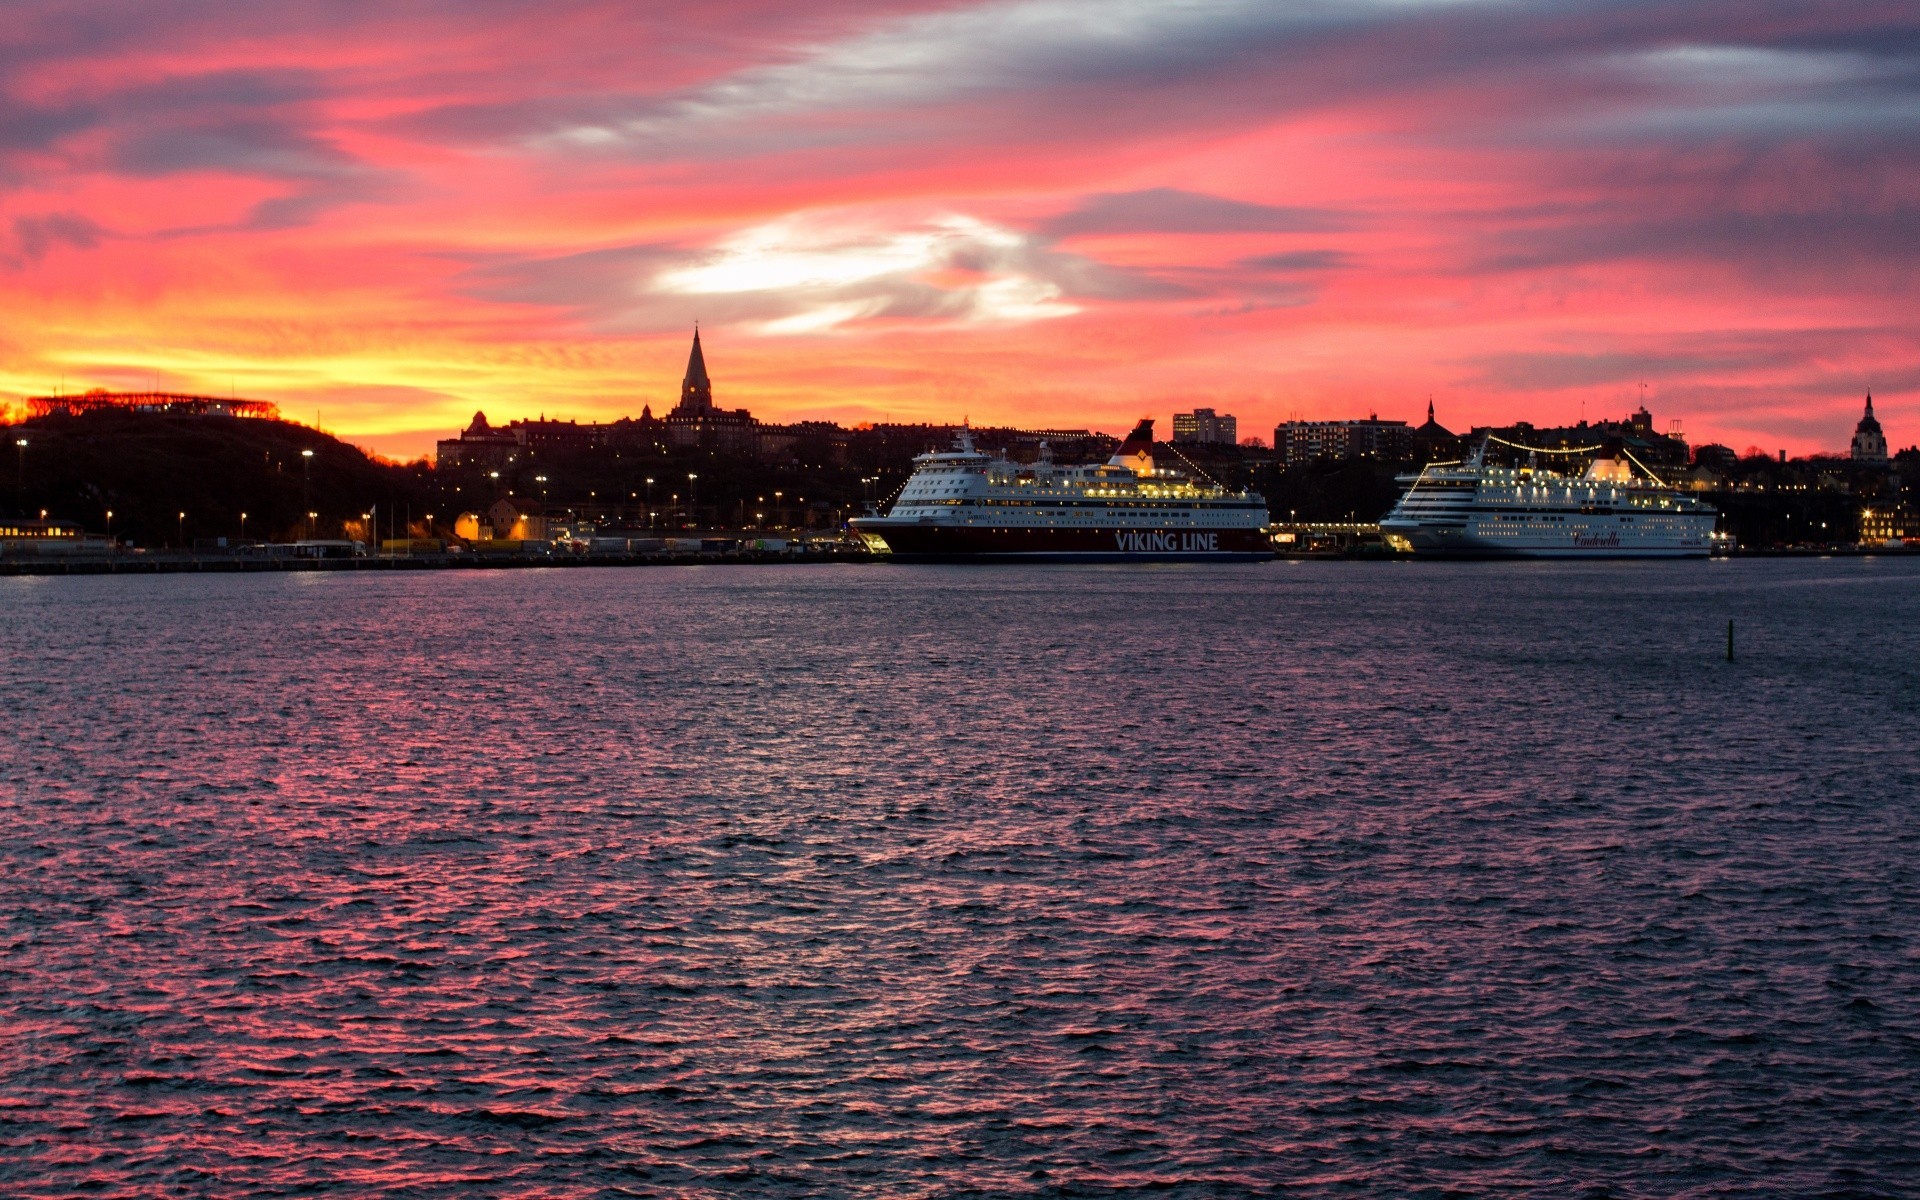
column 696, row 390
column 1869, row 442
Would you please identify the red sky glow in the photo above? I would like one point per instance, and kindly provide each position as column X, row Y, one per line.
column 383, row 216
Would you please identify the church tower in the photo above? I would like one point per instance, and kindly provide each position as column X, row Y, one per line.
column 696, row 390
column 1869, row 444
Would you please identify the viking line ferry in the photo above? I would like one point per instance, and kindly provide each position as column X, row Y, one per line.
column 1472, row 509
column 963, row 504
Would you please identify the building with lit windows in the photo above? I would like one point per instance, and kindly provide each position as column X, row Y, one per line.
column 1206, row 427
column 1304, row 441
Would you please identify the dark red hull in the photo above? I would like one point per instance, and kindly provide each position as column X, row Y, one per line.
column 908, row 540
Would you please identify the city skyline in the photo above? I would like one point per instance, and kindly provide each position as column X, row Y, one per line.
column 1024, row 212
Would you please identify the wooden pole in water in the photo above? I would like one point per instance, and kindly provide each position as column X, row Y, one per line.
column 1729, row 639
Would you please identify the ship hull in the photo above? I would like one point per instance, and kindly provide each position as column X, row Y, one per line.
column 1453, row 541
column 915, row 541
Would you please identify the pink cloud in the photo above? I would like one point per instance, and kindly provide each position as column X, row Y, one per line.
column 1023, row 210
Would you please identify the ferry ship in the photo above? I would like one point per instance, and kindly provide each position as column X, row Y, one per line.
column 963, row 504
column 1472, row 509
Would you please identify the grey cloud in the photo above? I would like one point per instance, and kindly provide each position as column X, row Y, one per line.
column 1791, row 249
column 34, row 236
column 1171, row 210
column 604, row 290
column 1803, row 353
column 1300, row 261
column 257, row 123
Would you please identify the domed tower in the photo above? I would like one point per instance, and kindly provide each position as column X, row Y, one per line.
column 1869, row 444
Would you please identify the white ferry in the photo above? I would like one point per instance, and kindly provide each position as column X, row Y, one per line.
column 1471, row 509
column 963, row 504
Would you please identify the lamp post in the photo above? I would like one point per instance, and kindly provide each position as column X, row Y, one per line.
column 109, row 527
column 310, row 519
column 693, row 499
column 183, row 531
column 243, row 526
column 649, row 504
column 306, row 486
column 20, row 466
column 542, row 481
column 779, row 512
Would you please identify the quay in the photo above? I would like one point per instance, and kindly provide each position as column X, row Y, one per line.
column 181, row 563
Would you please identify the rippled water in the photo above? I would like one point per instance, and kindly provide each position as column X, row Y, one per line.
column 1327, row 878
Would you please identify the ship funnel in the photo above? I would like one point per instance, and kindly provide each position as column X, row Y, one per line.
column 1137, row 451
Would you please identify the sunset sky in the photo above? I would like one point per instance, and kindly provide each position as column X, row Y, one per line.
column 386, row 215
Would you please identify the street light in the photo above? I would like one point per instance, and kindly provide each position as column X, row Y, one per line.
column 183, row 531
column 243, row 526
column 109, row 526
column 542, row 481
column 310, row 520
column 693, row 499
column 20, row 454
column 649, row 504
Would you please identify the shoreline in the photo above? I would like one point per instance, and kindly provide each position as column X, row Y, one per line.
column 225, row 565
column 231, row 565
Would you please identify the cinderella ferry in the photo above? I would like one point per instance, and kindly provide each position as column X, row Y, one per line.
column 962, row 504
column 1471, row 509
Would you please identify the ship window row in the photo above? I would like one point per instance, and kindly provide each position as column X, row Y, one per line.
column 1133, row 505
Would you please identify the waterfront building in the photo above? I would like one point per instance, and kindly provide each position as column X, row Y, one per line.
column 44, row 537
column 1869, row 443
column 1715, row 457
column 1434, row 442
column 479, row 444
column 171, row 404
column 1206, row 427
column 1304, row 441
column 1886, row 524
column 695, row 421
column 1635, row 434
column 518, row 520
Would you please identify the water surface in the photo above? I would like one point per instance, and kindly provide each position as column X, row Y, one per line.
column 1317, row 878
